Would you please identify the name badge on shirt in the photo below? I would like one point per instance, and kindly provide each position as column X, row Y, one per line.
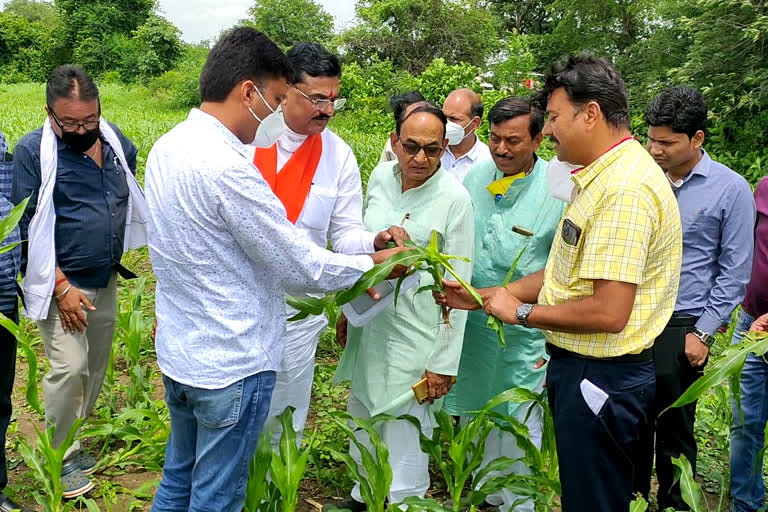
column 571, row 232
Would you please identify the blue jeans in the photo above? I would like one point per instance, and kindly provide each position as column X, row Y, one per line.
column 214, row 433
column 748, row 430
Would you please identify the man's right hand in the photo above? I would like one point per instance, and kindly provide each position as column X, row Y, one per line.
column 384, row 255
column 341, row 330
column 71, row 308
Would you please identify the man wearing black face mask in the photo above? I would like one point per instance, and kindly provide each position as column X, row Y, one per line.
column 78, row 170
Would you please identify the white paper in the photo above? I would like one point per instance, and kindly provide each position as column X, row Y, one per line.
column 593, row 396
column 363, row 309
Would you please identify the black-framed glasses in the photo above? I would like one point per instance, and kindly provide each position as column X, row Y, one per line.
column 73, row 127
column 323, row 104
column 413, row 149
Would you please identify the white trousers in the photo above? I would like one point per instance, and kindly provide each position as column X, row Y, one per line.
column 293, row 388
column 410, row 466
column 502, row 444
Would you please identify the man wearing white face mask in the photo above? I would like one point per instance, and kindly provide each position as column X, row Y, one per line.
column 315, row 175
column 464, row 110
column 225, row 255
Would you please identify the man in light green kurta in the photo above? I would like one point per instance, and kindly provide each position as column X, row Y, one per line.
column 486, row 369
column 401, row 345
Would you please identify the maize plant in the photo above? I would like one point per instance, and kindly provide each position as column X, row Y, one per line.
column 465, row 449
column 375, row 475
column 133, row 329
column 727, row 365
column 287, row 466
column 261, row 495
column 46, row 462
column 494, row 323
column 428, row 258
column 7, row 225
column 144, row 433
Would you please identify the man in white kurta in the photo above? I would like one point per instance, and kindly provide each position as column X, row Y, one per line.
column 332, row 212
column 464, row 110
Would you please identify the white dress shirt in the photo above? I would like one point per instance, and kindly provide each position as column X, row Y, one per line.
column 460, row 167
column 333, row 212
column 224, row 255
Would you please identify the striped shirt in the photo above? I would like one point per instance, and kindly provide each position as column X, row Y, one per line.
column 91, row 205
column 9, row 261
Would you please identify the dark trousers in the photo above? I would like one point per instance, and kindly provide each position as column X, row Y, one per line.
column 7, row 374
column 673, row 431
column 597, row 450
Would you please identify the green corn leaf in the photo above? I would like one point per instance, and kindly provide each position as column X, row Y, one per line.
column 494, row 323
column 638, row 505
column 378, row 274
column 729, row 363
column 690, row 490
column 10, row 222
column 258, row 468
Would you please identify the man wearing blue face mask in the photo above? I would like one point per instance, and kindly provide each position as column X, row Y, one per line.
column 88, row 208
column 464, row 110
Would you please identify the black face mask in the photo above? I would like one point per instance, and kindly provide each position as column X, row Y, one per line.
column 80, row 142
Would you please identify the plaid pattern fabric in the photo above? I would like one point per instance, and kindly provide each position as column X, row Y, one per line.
column 630, row 232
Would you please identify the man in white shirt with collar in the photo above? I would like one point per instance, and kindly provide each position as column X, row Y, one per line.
column 464, row 110
column 329, row 210
column 225, row 255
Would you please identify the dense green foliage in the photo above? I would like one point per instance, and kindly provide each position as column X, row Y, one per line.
column 717, row 46
column 289, row 21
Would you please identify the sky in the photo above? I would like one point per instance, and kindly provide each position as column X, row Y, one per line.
column 204, row 19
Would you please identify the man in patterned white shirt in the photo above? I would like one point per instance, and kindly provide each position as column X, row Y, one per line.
column 332, row 206
column 225, row 255
column 464, row 110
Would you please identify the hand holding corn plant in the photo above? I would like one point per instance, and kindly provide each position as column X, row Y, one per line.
column 427, row 258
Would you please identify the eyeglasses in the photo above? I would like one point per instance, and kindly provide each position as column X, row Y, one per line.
column 323, row 104
column 73, row 127
column 413, row 149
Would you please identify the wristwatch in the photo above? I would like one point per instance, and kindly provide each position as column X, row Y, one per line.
column 705, row 338
column 523, row 310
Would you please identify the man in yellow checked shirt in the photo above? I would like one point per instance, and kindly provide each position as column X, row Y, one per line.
column 608, row 289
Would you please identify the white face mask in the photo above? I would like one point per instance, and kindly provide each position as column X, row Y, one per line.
column 454, row 132
column 270, row 128
column 559, row 180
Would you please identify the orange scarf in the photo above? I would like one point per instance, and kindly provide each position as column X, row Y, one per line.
column 293, row 182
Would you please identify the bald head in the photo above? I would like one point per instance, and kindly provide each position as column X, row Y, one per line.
column 465, row 102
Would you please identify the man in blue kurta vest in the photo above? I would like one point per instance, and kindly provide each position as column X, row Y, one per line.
column 513, row 210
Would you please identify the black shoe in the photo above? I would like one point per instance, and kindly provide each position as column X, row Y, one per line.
column 8, row 505
column 350, row 504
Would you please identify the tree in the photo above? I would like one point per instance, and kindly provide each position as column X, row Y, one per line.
column 524, row 16
column 411, row 33
column 25, row 49
column 288, row 22
column 34, row 10
column 98, row 20
column 157, row 47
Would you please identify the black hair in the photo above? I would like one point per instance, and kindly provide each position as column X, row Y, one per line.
column 63, row 81
column 586, row 78
column 429, row 108
column 242, row 54
column 515, row 106
column 399, row 102
column 681, row 108
column 314, row 60
column 477, row 110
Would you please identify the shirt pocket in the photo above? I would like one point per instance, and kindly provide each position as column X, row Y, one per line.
column 566, row 257
column 702, row 224
column 318, row 209
column 421, row 234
